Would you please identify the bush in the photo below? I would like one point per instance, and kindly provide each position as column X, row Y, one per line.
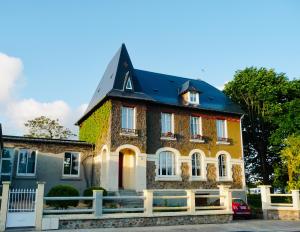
column 89, row 193
column 63, row 191
column 254, row 201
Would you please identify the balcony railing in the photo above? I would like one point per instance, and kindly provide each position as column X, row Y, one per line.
column 168, row 135
column 223, row 140
column 198, row 137
column 129, row 131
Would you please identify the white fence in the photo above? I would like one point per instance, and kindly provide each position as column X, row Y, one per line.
column 218, row 201
column 267, row 204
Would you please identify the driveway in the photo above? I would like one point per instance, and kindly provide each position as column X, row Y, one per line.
column 235, row 226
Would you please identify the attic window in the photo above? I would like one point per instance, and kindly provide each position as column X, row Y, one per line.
column 193, row 97
column 128, row 84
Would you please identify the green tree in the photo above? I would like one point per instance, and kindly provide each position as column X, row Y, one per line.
column 43, row 127
column 261, row 93
column 290, row 156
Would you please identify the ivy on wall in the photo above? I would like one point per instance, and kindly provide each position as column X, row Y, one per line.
column 95, row 129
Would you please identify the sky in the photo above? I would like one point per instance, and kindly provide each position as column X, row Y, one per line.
column 53, row 52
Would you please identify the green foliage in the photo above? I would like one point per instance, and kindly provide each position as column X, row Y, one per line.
column 264, row 95
column 89, row 192
column 43, row 127
column 254, row 201
column 290, row 156
column 95, row 128
column 280, row 176
column 63, row 191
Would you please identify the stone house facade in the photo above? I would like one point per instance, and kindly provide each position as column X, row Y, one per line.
column 154, row 131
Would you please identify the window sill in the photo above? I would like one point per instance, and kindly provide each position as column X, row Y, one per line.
column 168, row 178
column 224, row 179
column 74, row 178
column 168, row 138
column 197, row 141
column 26, row 177
column 222, row 143
column 129, row 134
column 198, row 178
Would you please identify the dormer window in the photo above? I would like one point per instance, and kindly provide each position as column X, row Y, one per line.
column 193, row 97
column 128, row 82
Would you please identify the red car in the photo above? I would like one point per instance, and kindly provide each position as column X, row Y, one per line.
column 240, row 208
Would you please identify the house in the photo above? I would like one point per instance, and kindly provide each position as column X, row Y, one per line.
column 141, row 130
column 154, row 131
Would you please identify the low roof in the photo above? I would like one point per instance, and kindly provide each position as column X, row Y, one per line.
column 156, row 88
column 10, row 138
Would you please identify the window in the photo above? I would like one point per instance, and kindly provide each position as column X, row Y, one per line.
column 222, row 165
column 128, row 84
column 71, row 164
column 196, row 164
column 166, row 164
column 193, row 97
column 221, row 130
column 167, row 124
column 128, row 119
column 196, row 127
column 6, row 164
column 26, row 162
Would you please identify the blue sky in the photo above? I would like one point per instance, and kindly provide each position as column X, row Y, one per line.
column 64, row 46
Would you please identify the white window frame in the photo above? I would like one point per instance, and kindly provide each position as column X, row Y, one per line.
column 79, row 164
column 35, row 162
column 228, row 164
column 199, row 129
column 177, row 165
column 190, row 100
column 130, row 83
column 172, row 126
column 225, row 132
column 134, row 117
column 203, row 163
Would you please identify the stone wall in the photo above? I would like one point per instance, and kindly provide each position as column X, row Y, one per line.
column 182, row 132
column 283, row 214
column 116, row 138
column 144, row 221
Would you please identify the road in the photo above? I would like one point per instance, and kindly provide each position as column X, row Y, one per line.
column 235, row 226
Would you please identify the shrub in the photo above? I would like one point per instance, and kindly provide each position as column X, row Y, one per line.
column 63, row 191
column 89, row 193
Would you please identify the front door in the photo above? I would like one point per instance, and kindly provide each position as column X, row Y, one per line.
column 121, row 157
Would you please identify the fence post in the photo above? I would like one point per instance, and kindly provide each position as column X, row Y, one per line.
column 4, row 204
column 227, row 199
column 296, row 199
column 190, row 201
column 148, row 202
column 39, row 205
column 98, row 202
column 265, row 199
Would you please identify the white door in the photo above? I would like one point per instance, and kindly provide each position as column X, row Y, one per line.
column 21, row 208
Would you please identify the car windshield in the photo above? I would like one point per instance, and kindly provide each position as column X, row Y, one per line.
column 240, row 201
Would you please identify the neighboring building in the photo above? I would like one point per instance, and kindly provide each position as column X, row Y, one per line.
column 153, row 130
column 28, row 160
column 141, row 130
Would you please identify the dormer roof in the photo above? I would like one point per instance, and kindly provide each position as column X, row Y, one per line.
column 155, row 87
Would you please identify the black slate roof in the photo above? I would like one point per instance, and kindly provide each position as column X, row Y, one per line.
column 155, row 87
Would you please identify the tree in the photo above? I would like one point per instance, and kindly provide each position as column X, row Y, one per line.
column 262, row 93
column 290, row 156
column 43, row 127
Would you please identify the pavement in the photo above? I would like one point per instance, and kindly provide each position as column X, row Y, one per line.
column 235, row 226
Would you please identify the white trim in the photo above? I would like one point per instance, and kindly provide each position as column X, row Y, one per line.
column 228, row 176
column 225, row 131
column 35, row 163
column 11, row 159
column 242, row 151
column 79, row 164
column 189, row 97
column 172, row 121
column 203, row 176
column 128, row 146
column 177, row 176
column 134, row 117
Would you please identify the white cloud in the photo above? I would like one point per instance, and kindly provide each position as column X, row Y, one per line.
column 15, row 112
column 222, row 86
column 10, row 71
